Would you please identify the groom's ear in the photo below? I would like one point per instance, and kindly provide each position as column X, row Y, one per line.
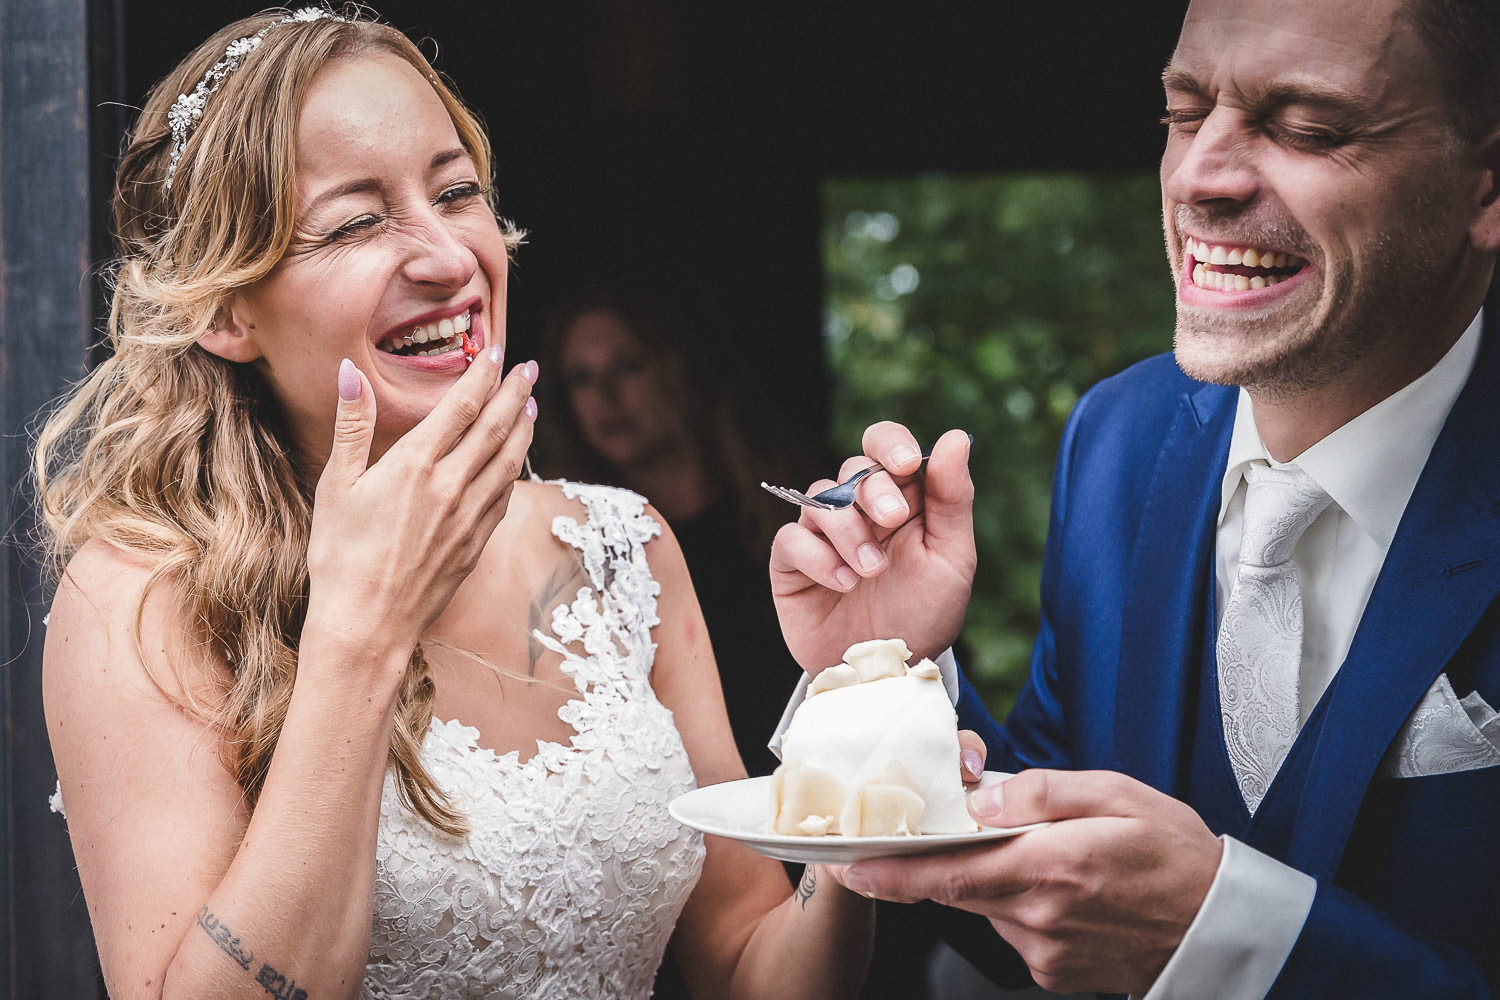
column 228, row 334
column 1484, row 226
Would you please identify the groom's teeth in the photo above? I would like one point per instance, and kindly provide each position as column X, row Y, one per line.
column 1210, row 263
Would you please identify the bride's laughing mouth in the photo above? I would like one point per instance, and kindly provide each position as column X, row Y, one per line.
column 430, row 339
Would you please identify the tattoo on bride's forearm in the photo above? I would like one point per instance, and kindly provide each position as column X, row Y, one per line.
column 808, row 885
column 278, row 985
column 270, row 980
column 222, row 936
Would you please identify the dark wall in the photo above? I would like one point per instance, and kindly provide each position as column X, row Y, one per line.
column 689, row 138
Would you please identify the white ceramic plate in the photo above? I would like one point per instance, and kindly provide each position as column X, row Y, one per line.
column 739, row 810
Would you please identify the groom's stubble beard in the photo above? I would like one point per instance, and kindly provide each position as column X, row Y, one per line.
column 1362, row 298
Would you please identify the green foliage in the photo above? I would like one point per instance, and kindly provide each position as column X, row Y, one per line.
column 991, row 303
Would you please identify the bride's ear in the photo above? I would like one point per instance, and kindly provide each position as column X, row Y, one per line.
column 228, row 335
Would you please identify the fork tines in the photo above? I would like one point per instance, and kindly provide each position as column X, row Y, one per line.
column 795, row 496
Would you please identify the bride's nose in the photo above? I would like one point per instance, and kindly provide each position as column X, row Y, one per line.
column 436, row 256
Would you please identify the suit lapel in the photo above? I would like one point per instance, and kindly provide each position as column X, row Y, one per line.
column 1161, row 640
column 1441, row 574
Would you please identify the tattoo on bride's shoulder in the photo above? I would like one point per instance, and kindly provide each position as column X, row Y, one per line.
column 561, row 584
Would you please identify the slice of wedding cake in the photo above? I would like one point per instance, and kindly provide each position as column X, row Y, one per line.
column 872, row 751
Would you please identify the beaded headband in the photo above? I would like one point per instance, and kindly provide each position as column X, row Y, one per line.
column 187, row 110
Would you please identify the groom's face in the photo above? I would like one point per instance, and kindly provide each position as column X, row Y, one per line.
column 1314, row 194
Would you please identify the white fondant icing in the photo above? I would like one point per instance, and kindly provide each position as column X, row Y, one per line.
column 850, row 750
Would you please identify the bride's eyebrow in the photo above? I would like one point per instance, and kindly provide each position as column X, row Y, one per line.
column 364, row 185
column 447, row 156
column 360, row 185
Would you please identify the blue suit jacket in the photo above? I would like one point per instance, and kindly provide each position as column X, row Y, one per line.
column 1408, row 870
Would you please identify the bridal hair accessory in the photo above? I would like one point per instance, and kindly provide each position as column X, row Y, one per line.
column 188, row 108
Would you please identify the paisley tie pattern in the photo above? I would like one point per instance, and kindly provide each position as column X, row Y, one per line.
column 1259, row 645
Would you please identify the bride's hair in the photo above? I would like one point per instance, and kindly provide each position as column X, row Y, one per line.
column 171, row 452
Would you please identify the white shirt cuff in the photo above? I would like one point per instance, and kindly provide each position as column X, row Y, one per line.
column 947, row 666
column 1249, row 921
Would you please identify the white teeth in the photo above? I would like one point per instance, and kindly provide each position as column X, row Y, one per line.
column 1207, row 256
column 439, row 333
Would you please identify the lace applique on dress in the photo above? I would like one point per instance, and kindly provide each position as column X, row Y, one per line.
column 573, row 874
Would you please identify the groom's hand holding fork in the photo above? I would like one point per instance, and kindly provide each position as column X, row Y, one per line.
column 899, row 563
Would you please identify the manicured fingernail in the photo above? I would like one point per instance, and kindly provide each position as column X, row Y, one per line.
column 984, row 804
column 972, row 763
column 348, row 381
column 531, row 371
column 496, row 354
column 889, row 506
column 846, row 577
column 906, row 455
column 855, row 879
column 870, row 557
column 531, row 407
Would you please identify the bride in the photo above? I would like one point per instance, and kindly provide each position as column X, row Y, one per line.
column 341, row 705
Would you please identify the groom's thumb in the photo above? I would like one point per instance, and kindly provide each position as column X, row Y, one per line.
column 353, row 426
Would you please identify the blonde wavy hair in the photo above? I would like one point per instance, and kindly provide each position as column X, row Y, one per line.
column 171, row 452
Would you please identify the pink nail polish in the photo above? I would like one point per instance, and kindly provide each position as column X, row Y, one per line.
column 496, row 354
column 531, row 407
column 531, row 372
column 348, row 381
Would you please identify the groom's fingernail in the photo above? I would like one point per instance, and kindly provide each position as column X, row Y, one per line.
column 846, row 577
column 855, row 879
column 889, row 506
column 905, row 455
column 870, row 557
column 984, row 805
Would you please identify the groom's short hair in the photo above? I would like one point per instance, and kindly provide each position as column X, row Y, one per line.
column 1464, row 39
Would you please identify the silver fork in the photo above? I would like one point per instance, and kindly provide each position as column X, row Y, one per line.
column 835, row 497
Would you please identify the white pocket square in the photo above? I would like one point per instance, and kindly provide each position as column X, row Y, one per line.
column 1445, row 734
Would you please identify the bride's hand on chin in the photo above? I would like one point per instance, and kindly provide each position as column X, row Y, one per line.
column 391, row 541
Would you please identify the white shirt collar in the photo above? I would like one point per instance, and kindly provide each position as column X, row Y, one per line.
column 1371, row 464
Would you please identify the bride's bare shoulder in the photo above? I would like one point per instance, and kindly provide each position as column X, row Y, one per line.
column 539, row 502
column 103, row 578
column 119, row 610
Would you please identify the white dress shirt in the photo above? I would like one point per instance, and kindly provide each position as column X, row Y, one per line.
column 1255, row 909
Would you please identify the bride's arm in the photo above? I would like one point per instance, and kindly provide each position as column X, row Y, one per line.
column 190, row 892
column 744, row 931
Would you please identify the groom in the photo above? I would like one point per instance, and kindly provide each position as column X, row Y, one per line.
column 1259, row 711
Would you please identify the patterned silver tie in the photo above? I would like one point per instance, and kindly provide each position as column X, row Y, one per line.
column 1259, row 645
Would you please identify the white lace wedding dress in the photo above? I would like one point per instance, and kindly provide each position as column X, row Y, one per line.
column 573, row 874
column 572, row 877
